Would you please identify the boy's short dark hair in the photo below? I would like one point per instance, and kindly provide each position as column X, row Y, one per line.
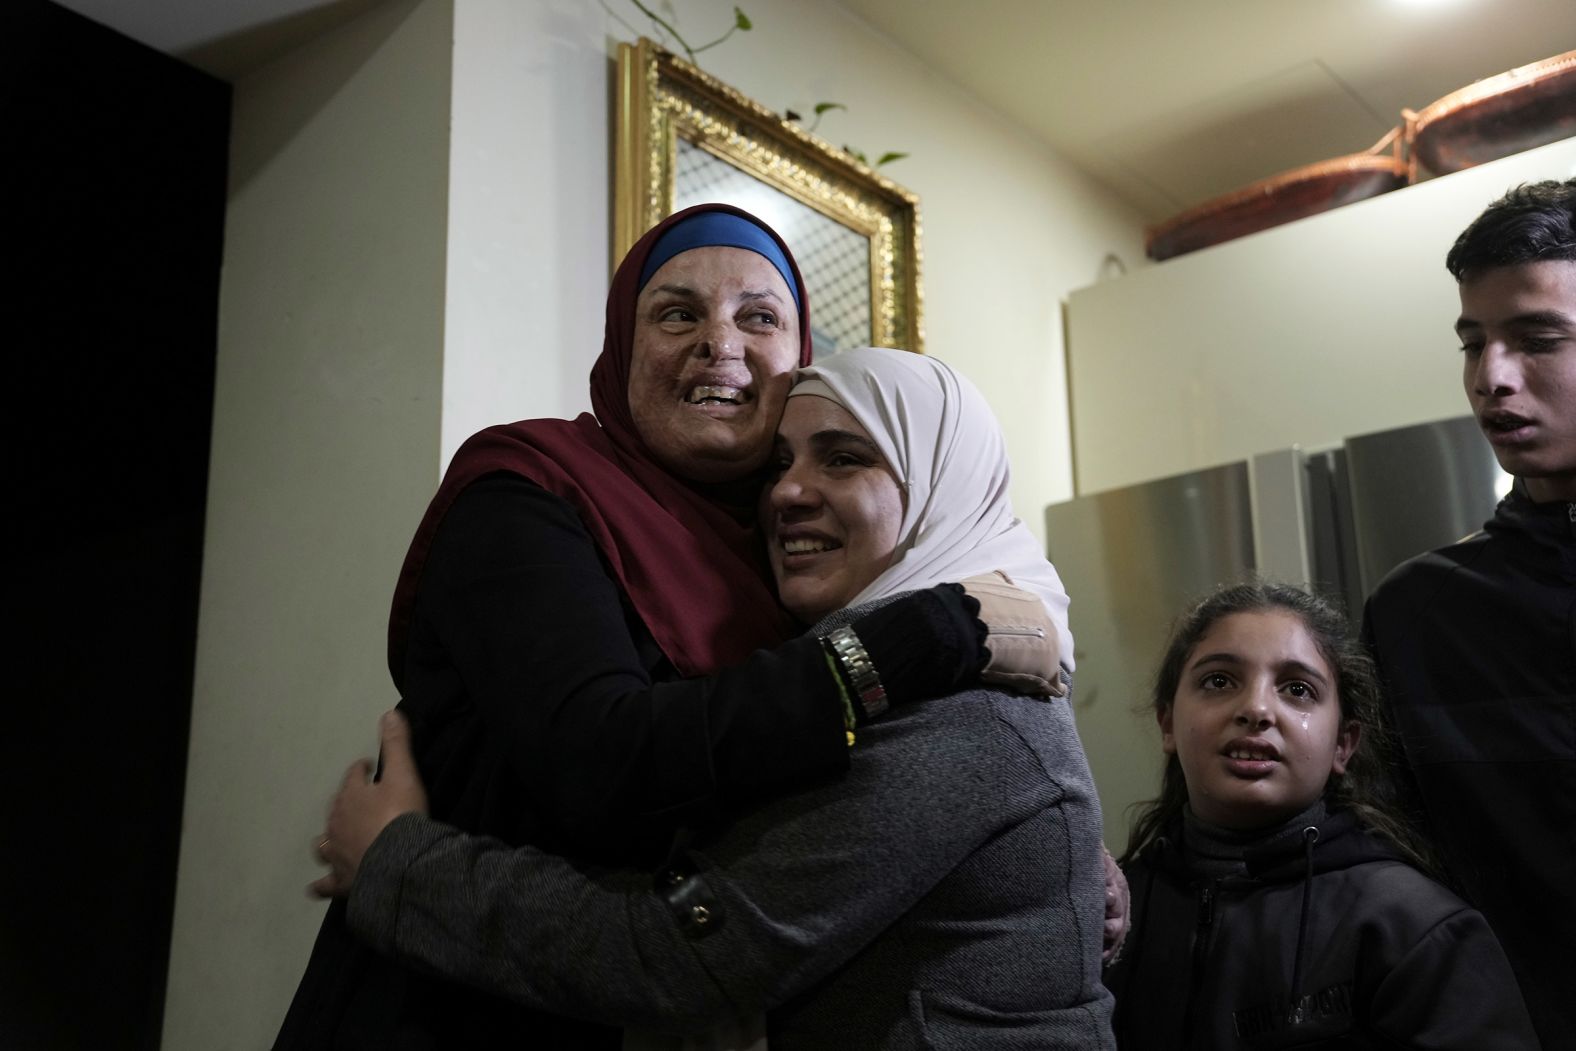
column 1532, row 223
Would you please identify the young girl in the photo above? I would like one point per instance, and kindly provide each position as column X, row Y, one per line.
column 1275, row 902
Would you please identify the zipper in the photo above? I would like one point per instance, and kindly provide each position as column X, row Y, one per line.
column 1201, row 932
column 1206, row 918
column 1019, row 631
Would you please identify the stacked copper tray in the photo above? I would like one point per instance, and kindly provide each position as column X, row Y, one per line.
column 1514, row 111
column 1526, row 107
column 1294, row 194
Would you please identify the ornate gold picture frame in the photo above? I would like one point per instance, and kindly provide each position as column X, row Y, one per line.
column 683, row 137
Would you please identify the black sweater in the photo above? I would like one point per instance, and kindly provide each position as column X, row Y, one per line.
column 1380, row 956
column 1476, row 643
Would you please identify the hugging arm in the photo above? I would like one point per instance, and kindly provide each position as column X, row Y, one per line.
column 789, row 893
column 516, row 598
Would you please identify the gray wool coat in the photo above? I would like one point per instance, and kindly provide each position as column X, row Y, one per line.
column 948, row 893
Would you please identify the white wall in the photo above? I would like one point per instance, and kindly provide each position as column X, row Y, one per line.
column 529, row 212
column 1335, row 325
column 325, row 451
column 1009, row 228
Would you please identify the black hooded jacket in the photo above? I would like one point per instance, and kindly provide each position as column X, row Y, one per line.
column 1476, row 643
column 1328, row 940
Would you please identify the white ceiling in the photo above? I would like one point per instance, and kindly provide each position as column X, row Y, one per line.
column 1168, row 102
column 1171, row 102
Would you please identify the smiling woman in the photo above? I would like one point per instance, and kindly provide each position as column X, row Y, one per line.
column 716, row 338
column 834, row 511
column 937, row 435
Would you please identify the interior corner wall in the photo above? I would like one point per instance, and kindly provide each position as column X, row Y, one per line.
column 1009, row 227
column 1332, row 326
column 529, row 212
column 325, row 451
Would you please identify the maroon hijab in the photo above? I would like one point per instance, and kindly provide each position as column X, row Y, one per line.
column 690, row 564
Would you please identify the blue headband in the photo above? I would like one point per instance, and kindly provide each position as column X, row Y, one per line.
column 719, row 230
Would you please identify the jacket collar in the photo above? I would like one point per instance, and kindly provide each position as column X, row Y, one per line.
column 1541, row 535
column 1339, row 840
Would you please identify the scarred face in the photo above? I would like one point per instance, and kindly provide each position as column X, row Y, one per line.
column 1256, row 721
column 715, row 345
column 833, row 515
column 1518, row 343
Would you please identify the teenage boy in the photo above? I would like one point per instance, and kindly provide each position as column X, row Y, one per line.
column 1477, row 641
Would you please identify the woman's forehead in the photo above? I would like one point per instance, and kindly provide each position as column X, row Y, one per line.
column 809, row 414
column 720, row 269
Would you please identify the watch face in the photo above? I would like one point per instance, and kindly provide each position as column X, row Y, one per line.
column 860, row 671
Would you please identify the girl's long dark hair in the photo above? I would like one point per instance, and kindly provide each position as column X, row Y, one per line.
column 1369, row 788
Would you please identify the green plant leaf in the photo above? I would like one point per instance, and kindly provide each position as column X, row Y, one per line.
column 823, row 107
column 888, row 158
column 856, row 155
column 789, row 114
column 741, row 20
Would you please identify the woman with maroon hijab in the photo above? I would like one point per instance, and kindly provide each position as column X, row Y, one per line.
column 570, row 579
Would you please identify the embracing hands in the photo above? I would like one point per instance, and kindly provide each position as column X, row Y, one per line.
column 1118, row 908
column 364, row 807
column 1025, row 650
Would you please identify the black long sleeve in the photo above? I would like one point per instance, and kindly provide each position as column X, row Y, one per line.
column 526, row 661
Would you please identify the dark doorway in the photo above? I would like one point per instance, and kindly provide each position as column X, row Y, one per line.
column 117, row 159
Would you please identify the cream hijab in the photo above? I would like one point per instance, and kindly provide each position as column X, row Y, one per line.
column 941, row 438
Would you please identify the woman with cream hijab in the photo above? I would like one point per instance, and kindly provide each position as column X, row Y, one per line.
column 947, row 892
column 942, row 442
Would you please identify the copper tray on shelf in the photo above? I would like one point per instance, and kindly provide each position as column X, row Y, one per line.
column 1293, row 194
column 1517, row 110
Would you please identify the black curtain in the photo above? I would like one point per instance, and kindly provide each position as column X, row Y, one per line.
column 116, row 159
